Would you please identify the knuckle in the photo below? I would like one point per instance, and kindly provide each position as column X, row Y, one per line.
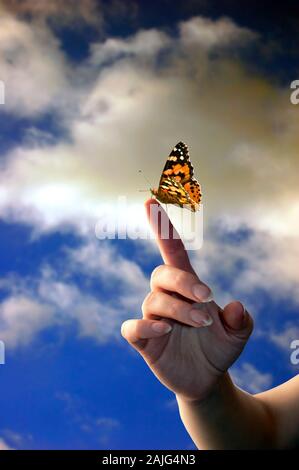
column 173, row 308
column 148, row 301
column 179, row 279
column 156, row 272
column 138, row 329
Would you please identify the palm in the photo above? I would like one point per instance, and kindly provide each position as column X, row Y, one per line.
column 189, row 360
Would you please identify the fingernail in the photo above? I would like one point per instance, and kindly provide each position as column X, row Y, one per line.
column 202, row 293
column 244, row 315
column 202, row 319
column 162, row 328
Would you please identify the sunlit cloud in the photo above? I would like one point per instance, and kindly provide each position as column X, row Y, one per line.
column 133, row 109
column 132, row 100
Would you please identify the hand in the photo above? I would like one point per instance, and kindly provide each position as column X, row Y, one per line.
column 187, row 340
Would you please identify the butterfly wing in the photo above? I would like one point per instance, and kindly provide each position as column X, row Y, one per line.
column 179, row 168
column 193, row 188
column 173, row 192
column 178, row 164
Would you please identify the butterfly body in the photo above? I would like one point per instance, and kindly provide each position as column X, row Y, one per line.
column 177, row 184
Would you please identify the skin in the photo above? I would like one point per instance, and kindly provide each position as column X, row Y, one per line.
column 189, row 343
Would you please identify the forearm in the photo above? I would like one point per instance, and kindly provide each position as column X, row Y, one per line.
column 228, row 418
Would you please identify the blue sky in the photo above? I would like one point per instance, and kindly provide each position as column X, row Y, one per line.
column 95, row 91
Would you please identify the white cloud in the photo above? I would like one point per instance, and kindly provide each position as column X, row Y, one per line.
column 53, row 299
column 284, row 337
column 32, row 67
column 261, row 261
column 146, row 44
column 149, row 106
column 102, row 426
column 4, row 445
column 126, row 115
column 219, row 33
column 15, row 439
column 101, row 260
column 22, row 318
column 251, row 379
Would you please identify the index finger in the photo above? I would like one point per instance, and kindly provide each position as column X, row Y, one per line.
column 171, row 248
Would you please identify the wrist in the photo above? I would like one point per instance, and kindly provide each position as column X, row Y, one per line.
column 223, row 387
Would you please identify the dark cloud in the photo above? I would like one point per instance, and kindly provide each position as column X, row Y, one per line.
column 57, row 13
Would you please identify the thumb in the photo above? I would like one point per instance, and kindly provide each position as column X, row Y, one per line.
column 237, row 320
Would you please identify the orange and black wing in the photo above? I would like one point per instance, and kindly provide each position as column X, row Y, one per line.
column 179, row 168
column 178, row 164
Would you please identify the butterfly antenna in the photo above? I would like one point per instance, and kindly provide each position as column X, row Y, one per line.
column 151, row 186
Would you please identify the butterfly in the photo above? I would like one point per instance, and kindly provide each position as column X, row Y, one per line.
column 177, row 184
